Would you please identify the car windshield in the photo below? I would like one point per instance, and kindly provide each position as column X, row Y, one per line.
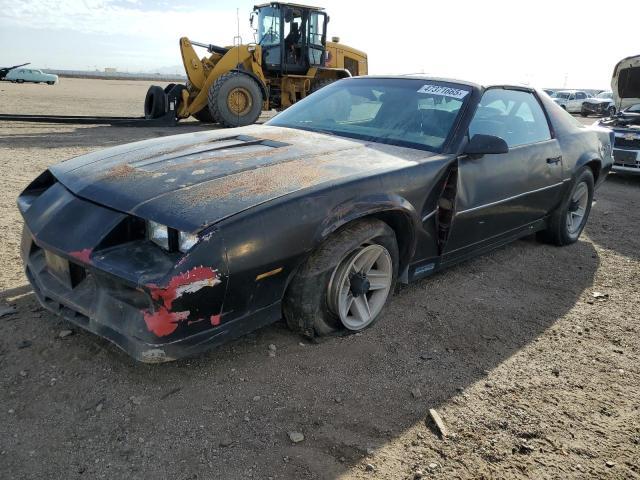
column 405, row 112
column 562, row 95
column 607, row 95
column 633, row 108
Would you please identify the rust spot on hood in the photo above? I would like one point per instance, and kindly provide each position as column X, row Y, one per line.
column 121, row 172
column 260, row 182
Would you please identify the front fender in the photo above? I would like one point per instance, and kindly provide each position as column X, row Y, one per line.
column 385, row 206
column 359, row 207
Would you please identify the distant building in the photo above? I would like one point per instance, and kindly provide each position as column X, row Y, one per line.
column 110, row 70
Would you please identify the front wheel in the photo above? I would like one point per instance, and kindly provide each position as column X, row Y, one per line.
column 569, row 219
column 50, row 83
column 346, row 282
column 235, row 100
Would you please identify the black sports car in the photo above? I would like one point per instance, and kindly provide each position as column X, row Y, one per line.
column 172, row 245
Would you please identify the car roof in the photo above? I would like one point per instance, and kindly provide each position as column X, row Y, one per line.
column 477, row 85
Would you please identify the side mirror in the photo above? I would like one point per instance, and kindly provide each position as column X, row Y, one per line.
column 486, row 145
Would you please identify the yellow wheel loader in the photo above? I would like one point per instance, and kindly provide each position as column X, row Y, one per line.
column 290, row 59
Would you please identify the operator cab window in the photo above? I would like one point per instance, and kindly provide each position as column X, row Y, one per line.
column 269, row 26
column 294, row 32
column 512, row 115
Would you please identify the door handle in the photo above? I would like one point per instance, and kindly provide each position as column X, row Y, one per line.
column 554, row 160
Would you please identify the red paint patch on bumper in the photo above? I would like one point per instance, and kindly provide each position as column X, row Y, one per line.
column 163, row 322
column 83, row 255
column 169, row 293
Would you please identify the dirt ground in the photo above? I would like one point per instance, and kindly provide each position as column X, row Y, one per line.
column 533, row 375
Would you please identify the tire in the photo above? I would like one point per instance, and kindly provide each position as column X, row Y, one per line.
column 611, row 111
column 155, row 103
column 19, row 81
column 247, row 95
column 50, row 83
column 310, row 301
column 204, row 115
column 169, row 87
column 584, row 114
column 320, row 83
column 558, row 231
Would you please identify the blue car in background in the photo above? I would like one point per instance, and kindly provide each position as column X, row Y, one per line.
column 32, row 75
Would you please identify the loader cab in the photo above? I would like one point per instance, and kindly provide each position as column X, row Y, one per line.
column 292, row 36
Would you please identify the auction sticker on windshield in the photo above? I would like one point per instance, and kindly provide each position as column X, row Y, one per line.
column 444, row 91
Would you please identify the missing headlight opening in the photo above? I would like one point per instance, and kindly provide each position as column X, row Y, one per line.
column 170, row 239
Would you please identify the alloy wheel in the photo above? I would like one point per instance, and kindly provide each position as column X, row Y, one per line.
column 577, row 208
column 360, row 285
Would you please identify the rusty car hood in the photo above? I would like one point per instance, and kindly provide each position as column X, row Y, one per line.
column 191, row 181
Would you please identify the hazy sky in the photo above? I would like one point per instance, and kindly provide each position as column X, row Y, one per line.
column 545, row 43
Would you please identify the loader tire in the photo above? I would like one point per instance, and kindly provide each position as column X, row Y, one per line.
column 155, row 103
column 204, row 115
column 235, row 100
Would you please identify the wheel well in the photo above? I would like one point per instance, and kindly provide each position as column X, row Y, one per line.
column 595, row 167
column 400, row 223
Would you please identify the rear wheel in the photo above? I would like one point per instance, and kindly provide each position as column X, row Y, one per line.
column 155, row 103
column 50, row 83
column 20, row 80
column 345, row 284
column 569, row 219
column 235, row 100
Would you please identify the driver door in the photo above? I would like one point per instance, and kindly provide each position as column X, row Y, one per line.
column 500, row 195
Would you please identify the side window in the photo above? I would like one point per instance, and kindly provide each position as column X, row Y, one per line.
column 580, row 96
column 515, row 116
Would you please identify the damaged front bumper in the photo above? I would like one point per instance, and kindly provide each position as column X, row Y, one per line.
column 595, row 108
column 626, row 151
column 94, row 267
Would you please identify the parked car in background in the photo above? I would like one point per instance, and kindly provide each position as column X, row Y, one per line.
column 548, row 91
column 31, row 75
column 602, row 104
column 570, row 100
column 626, row 150
column 173, row 245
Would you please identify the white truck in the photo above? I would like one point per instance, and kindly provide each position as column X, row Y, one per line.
column 571, row 100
